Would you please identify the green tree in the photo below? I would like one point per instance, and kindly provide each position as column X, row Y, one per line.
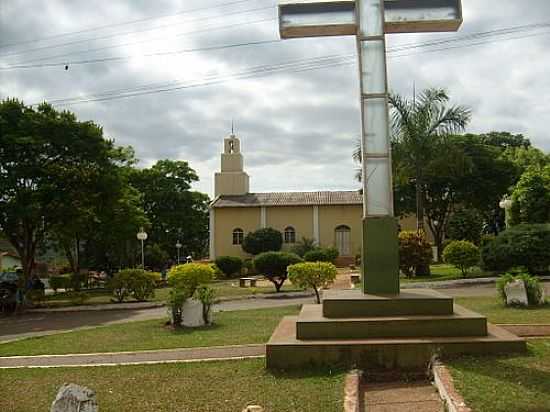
column 54, row 170
column 263, row 240
column 315, row 275
column 531, row 197
column 465, row 224
column 419, row 126
column 175, row 212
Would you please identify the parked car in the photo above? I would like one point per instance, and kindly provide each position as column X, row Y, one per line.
column 8, row 291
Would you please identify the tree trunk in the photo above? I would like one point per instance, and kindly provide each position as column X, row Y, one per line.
column 317, row 295
column 419, row 201
column 422, row 270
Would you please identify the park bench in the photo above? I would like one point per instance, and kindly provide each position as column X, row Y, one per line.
column 251, row 281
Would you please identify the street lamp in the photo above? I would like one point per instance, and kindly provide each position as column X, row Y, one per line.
column 506, row 204
column 178, row 247
column 142, row 235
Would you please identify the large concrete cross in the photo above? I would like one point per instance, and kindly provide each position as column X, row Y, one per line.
column 369, row 21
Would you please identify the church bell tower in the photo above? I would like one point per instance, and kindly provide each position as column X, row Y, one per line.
column 232, row 179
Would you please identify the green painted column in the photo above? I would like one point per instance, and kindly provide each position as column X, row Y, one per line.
column 380, row 258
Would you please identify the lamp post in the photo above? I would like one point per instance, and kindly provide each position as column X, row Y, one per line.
column 142, row 235
column 178, row 247
column 506, row 205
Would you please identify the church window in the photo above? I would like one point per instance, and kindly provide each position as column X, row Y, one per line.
column 238, row 236
column 290, row 235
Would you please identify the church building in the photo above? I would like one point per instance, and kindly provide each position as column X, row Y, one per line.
column 331, row 218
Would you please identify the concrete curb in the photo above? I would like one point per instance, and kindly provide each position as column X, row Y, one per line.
column 352, row 392
column 446, row 284
column 154, row 305
column 443, row 381
column 146, row 357
column 102, row 307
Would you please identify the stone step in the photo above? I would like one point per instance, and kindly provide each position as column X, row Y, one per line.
column 351, row 303
column 285, row 351
column 311, row 324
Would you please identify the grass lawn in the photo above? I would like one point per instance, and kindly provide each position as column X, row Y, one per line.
column 223, row 288
column 441, row 271
column 230, row 328
column 193, row 387
column 496, row 312
column 515, row 383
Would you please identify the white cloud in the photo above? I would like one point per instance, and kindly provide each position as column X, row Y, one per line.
column 298, row 128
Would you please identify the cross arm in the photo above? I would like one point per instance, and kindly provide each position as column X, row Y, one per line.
column 308, row 18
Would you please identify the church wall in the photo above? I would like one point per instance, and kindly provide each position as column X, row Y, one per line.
column 299, row 217
column 228, row 219
column 330, row 217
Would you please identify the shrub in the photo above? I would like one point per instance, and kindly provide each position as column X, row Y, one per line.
column 523, row 245
column 142, row 284
column 218, row 274
column 303, row 246
column 229, row 265
column 175, row 303
column 532, row 284
column 273, row 265
column 321, row 255
column 78, row 297
column 188, row 277
column 414, row 252
column 58, row 282
column 313, row 275
column 119, row 284
column 135, row 282
column 465, row 225
column 263, row 240
column 248, row 266
column 207, row 296
column 462, row 254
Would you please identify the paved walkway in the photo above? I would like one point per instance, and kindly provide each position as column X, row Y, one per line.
column 41, row 324
column 135, row 358
column 402, row 397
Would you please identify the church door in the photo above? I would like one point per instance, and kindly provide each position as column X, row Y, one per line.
column 343, row 240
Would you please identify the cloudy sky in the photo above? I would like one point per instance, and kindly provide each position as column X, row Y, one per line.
column 295, row 103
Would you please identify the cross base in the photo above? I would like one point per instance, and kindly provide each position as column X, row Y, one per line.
column 351, row 329
column 380, row 257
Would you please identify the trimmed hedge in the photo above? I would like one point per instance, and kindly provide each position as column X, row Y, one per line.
column 263, row 240
column 315, row 275
column 273, row 265
column 319, row 254
column 190, row 276
column 230, row 265
column 520, row 246
column 133, row 282
column 462, row 254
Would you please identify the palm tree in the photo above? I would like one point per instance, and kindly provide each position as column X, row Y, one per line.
column 418, row 126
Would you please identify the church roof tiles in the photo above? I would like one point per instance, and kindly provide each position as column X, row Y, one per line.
column 289, row 199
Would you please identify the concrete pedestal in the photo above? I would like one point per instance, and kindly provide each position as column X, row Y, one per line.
column 404, row 331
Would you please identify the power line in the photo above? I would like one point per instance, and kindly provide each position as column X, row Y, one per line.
column 113, row 59
column 126, row 23
column 239, row 12
column 295, row 66
column 302, row 64
column 396, row 49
